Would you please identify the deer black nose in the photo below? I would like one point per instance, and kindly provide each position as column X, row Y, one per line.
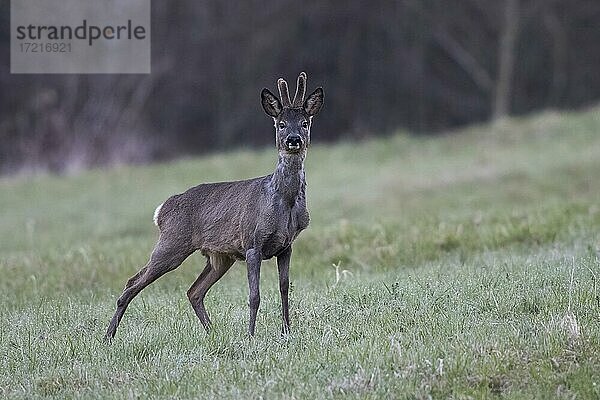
column 293, row 142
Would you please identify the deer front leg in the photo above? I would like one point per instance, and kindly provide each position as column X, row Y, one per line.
column 253, row 260
column 283, row 265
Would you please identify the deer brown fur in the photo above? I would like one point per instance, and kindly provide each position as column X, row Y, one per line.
column 251, row 220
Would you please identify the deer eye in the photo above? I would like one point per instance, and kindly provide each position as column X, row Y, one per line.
column 305, row 124
column 281, row 125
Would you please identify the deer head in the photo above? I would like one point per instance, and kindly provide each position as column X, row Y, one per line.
column 292, row 119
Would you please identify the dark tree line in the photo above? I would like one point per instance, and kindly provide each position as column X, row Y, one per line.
column 424, row 65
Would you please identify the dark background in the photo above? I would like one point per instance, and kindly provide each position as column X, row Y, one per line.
column 426, row 66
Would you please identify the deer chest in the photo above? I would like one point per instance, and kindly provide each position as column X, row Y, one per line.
column 283, row 230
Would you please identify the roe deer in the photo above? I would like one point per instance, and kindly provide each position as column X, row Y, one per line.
column 252, row 220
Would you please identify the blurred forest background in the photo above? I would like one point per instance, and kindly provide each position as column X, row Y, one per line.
column 422, row 65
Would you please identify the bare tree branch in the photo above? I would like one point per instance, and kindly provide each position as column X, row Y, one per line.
column 455, row 50
column 506, row 59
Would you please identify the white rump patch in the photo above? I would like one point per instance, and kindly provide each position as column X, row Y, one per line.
column 156, row 212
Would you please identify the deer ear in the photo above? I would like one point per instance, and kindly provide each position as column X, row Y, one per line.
column 314, row 102
column 270, row 103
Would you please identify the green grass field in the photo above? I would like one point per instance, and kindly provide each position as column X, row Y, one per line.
column 462, row 266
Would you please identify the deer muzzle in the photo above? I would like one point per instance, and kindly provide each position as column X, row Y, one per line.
column 293, row 143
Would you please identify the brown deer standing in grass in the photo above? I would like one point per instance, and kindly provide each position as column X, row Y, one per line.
column 252, row 220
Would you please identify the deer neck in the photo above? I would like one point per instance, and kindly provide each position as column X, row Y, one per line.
column 288, row 178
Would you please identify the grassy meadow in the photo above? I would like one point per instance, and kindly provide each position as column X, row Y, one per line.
column 461, row 266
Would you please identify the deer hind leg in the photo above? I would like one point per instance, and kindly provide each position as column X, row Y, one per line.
column 216, row 266
column 166, row 256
